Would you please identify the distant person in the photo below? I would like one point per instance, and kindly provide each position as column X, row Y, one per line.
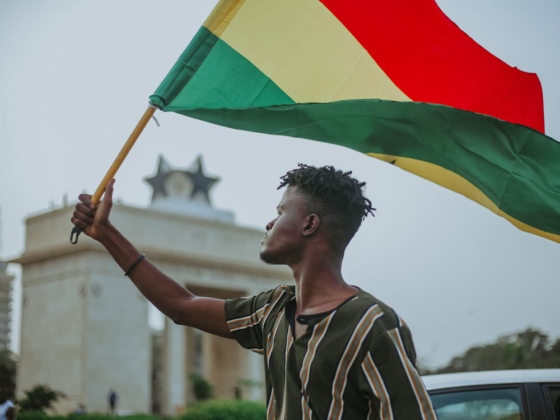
column 112, row 397
column 7, row 410
column 81, row 409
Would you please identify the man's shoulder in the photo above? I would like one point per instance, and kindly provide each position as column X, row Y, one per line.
column 279, row 294
column 267, row 296
column 390, row 318
column 278, row 298
column 389, row 328
column 259, row 305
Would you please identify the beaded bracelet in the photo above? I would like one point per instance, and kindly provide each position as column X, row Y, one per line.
column 134, row 264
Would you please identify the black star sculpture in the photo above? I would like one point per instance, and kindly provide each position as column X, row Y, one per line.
column 158, row 181
column 201, row 183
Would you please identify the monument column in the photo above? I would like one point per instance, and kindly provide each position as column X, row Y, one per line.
column 175, row 368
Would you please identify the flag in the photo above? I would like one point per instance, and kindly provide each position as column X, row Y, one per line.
column 396, row 80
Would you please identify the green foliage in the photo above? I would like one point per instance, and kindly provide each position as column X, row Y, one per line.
column 99, row 416
column 94, row 416
column 37, row 415
column 39, row 398
column 226, row 410
column 130, row 417
column 32, row 415
column 7, row 375
column 201, row 387
column 529, row 349
column 205, row 410
column 40, row 415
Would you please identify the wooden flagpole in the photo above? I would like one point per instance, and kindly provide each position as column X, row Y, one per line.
column 116, row 165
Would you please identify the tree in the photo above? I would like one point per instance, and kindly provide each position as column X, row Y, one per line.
column 7, row 374
column 40, row 398
column 524, row 350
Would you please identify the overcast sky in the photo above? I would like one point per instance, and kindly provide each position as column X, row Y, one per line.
column 75, row 77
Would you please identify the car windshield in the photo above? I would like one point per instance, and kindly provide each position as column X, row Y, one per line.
column 489, row 404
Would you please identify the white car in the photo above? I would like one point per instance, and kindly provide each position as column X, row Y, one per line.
column 532, row 394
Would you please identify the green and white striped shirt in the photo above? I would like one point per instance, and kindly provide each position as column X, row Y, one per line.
column 354, row 362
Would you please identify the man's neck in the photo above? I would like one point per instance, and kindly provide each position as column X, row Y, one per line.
column 320, row 286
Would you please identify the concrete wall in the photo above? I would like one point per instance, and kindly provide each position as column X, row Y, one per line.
column 54, row 316
column 119, row 347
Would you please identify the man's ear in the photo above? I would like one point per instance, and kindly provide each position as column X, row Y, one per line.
column 311, row 225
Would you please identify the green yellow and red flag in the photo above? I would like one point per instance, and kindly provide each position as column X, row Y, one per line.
column 394, row 79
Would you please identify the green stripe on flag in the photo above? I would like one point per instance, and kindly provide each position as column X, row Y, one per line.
column 185, row 68
column 516, row 167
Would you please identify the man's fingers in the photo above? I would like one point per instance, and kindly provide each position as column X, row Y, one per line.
column 82, row 208
column 81, row 216
column 109, row 192
column 78, row 222
column 86, row 199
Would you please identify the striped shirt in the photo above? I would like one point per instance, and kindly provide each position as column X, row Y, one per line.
column 354, row 362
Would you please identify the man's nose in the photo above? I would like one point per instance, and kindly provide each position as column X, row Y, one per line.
column 269, row 225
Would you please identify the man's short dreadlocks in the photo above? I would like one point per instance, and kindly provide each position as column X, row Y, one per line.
column 334, row 196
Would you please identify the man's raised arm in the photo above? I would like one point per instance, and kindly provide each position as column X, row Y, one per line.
column 168, row 296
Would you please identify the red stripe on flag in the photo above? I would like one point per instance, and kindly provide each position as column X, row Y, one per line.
column 432, row 60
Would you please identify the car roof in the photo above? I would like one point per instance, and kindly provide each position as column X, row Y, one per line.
column 494, row 377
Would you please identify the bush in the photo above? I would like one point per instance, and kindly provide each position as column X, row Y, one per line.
column 129, row 417
column 39, row 415
column 88, row 416
column 226, row 410
column 31, row 415
column 39, row 398
column 201, row 387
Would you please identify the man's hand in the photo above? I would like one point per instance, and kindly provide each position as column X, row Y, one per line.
column 94, row 220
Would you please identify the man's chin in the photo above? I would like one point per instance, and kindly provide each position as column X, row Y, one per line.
column 271, row 259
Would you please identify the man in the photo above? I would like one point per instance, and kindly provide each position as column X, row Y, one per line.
column 331, row 350
column 112, row 400
column 7, row 409
column 81, row 409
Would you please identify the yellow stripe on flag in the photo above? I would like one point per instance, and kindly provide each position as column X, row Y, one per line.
column 457, row 183
column 222, row 15
column 304, row 49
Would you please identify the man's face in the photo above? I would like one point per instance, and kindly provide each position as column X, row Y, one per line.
column 283, row 239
